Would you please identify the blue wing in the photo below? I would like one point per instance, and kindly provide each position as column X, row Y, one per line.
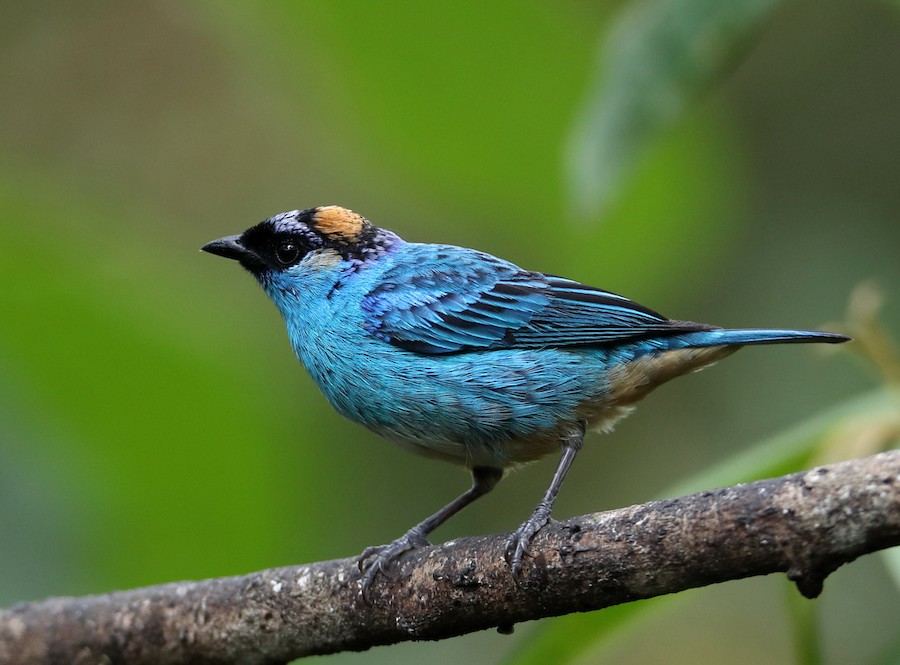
column 445, row 299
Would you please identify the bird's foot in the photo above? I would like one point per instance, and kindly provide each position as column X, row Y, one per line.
column 518, row 541
column 375, row 560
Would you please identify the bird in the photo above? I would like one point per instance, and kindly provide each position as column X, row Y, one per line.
column 459, row 355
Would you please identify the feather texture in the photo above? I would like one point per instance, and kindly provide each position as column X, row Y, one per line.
column 447, row 299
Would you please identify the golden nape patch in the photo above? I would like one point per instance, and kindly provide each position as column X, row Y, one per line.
column 340, row 224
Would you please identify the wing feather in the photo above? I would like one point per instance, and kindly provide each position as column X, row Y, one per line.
column 448, row 300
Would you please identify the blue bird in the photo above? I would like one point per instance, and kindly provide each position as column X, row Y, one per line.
column 459, row 355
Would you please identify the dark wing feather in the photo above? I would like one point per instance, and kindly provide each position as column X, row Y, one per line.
column 448, row 300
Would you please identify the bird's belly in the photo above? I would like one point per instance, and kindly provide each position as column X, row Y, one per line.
column 490, row 408
column 493, row 408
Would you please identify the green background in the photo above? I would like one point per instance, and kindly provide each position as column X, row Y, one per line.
column 729, row 162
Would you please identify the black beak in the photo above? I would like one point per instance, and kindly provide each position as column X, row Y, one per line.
column 230, row 247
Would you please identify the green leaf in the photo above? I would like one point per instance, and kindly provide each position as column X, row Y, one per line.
column 891, row 655
column 805, row 624
column 569, row 637
column 657, row 57
column 891, row 559
column 788, row 451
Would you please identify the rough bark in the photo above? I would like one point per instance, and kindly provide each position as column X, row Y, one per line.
column 805, row 524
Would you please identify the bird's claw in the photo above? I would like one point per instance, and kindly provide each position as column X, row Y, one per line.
column 519, row 540
column 376, row 559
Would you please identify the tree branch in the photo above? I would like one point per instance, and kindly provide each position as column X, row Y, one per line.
column 806, row 524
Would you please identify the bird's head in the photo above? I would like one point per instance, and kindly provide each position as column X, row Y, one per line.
column 327, row 234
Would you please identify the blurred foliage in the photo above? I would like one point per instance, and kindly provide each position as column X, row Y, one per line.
column 729, row 162
column 656, row 57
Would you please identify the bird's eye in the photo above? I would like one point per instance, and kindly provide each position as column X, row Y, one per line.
column 287, row 252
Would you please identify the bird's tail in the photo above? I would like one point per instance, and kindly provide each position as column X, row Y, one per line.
column 722, row 337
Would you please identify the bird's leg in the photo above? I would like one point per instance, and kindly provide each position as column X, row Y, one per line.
column 517, row 544
column 374, row 560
